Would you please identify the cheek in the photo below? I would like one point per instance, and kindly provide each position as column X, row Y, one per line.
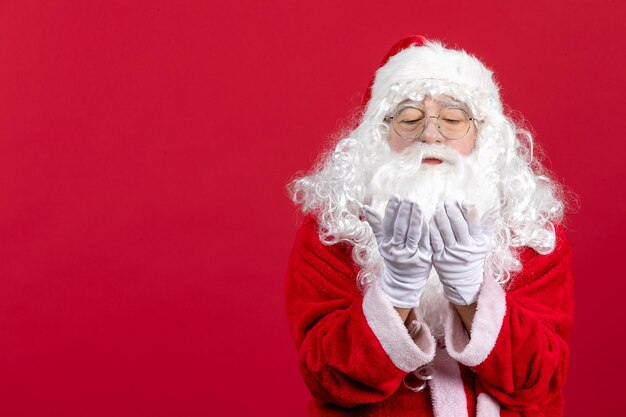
column 396, row 143
column 464, row 146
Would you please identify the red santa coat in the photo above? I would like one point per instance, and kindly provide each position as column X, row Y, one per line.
column 354, row 350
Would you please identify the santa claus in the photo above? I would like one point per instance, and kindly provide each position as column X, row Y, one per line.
column 431, row 274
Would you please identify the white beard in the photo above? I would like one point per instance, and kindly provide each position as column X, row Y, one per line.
column 459, row 177
column 433, row 305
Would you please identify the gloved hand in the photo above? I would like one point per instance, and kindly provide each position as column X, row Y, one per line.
column 460, row 240
column 404, row 244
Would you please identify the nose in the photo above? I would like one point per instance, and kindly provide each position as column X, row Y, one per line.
column 431, row 133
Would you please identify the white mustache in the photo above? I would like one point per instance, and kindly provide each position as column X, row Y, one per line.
column 421, row 151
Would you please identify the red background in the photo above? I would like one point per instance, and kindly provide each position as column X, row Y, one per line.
column 144, row 148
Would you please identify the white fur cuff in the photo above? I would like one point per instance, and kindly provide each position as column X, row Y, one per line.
column 405, row 351
column 486, row 326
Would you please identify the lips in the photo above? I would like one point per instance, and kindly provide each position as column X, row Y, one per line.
column 432, row 161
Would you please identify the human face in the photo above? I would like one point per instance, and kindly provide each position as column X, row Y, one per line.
column 431, row 135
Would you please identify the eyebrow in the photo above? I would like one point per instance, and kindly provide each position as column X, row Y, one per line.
column 452, row 103
column 443, row 103
column 408, row 103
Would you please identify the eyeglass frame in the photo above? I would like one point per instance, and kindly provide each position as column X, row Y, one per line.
column 387, row 119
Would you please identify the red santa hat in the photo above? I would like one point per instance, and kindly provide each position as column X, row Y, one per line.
column 416, row 61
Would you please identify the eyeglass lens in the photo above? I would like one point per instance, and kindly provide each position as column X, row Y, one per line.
column 453, row 123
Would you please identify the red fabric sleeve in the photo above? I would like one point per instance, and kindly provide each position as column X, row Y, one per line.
column 340, row 357
column 526, row 369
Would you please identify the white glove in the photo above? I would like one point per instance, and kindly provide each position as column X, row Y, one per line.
column 404, row 244
column 460, row 240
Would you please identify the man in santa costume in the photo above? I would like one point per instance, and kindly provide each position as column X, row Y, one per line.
column 431, row 275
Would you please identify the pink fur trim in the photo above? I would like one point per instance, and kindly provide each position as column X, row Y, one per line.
column 487, row 406
column 446, row 387
column 485, row 327
column 406, row 352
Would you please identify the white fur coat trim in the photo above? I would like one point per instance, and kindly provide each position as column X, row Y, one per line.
column 446, row 387
column 486, row 406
